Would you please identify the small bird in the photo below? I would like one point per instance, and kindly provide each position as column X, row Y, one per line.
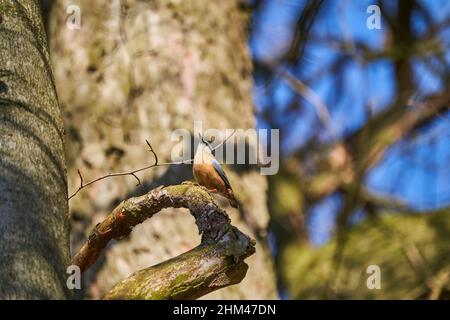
column 209, row 173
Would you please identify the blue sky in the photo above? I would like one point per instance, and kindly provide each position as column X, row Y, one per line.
column 415, row 170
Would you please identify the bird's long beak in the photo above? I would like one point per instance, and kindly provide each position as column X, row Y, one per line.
column 204, row 141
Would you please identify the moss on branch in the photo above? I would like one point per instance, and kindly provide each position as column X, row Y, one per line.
column 217, row 262
column 189, row 276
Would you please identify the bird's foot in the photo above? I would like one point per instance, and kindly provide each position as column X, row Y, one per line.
column 189, row 182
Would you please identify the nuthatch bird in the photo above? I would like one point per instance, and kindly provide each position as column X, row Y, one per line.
column 209, row 173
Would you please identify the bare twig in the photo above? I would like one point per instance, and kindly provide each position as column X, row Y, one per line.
column 133, row 172
column 224, row 141
column 219, row 145
column 81, row 178
column 127, row 173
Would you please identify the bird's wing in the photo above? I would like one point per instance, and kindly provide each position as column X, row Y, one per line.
column 221, row 173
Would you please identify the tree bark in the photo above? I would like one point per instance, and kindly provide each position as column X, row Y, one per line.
column 34, row 228
column 216, row 263
column 139, row 70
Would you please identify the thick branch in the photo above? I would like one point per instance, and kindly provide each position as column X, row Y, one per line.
column 191, row 275
column 217, row 262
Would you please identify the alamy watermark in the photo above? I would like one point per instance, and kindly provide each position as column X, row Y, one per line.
column 374, row 280
column 374, row 20
column 245, row 146
column 74, row 279
column 73, row 20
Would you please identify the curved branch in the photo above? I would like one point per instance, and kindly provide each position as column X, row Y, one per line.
column 191, row 275
column 217, row 262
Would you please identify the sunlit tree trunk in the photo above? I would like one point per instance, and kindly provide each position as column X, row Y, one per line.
column 139, row 70
column 34, row 228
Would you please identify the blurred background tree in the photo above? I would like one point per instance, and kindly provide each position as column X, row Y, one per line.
column 363, row 117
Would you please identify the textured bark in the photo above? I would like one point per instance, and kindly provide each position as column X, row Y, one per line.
column 213, row 222
column 216, row 263
column 34, row 228
column 139, row 70
column 189, row 276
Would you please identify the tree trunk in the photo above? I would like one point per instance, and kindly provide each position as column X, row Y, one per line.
column 139, row 70
column 34, row 228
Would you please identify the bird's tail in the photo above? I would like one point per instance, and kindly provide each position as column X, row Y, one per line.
column 230, row 196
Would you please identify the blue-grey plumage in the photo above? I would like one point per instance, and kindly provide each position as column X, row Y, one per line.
column 209, row 173
column 221, row 173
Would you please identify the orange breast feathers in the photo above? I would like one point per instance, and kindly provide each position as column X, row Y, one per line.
column 209, row 173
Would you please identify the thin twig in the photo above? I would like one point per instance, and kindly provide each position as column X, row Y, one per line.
column 223, row 142
column 133, row 172
column 216, row 263
column 127, row 173
column 152, row 151
column 81, row 177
